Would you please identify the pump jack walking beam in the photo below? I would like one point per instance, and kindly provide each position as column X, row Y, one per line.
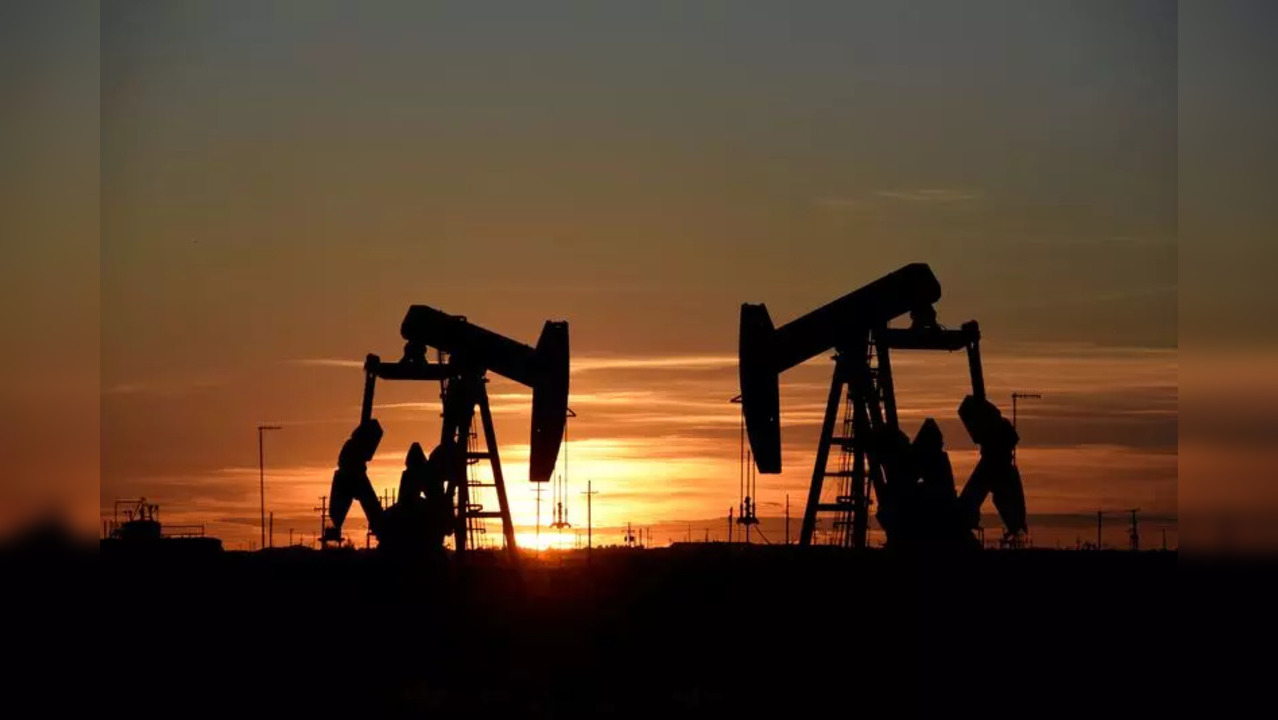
column 856, row 327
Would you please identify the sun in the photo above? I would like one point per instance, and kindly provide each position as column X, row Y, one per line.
column 548, row 539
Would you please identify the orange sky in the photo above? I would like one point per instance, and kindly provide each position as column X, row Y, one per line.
column 656, row 435
column 279, row 183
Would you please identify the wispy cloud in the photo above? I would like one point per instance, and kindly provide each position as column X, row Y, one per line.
column 163, row 387
column 328, row 362
column 583, row 364
column 841, row 203
column 882, row 198
column 934, row 195
column 407, row 406
column 659, row 439
column 676, row 362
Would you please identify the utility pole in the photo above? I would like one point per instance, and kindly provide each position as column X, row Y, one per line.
column 290, row 537
column 748, row 482
column 787, row 518
column 729, row 524
column 1098, row 529
column 323, row 513
column 271, row 522
column 747, row 512
column 590, row 520
column 559, row 511
column 1134, row 535
column 1020, row 396
column 570, row 414
column 261, row 474
column 538, row 488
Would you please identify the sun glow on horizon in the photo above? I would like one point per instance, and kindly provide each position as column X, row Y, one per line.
column 659, row 447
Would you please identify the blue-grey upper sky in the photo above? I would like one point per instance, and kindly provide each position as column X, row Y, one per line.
column 623, row 163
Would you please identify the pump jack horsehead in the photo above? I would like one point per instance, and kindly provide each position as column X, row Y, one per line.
column 465, row 354
column 912, row 484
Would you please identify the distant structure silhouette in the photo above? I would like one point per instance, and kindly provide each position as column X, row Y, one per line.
column 747, row 501
column 135, row 526
column 561, row 507
column 560, row 511
column 877, row 462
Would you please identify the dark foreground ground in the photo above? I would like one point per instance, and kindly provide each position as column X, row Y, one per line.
column 706, row 630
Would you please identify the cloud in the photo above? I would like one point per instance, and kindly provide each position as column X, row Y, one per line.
column 677, row 362
column 939, row 195
column 925, row 195
column 328, row 362
column 1167, row 292
column 583, row 364
column 1137, row 293
column 661, row 441
column 840, row 203
column 433, row 406
column 164, row 387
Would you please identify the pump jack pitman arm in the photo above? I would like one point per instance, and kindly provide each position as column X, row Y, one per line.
column 544, row 369
column 766, row 351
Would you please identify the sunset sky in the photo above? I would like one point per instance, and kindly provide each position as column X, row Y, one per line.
column 281, row 180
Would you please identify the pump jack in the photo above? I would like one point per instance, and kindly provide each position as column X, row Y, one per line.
column 856, row 327
column 465, row 353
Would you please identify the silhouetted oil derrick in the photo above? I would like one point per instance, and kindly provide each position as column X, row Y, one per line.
column 876, row 460
column 464, row 354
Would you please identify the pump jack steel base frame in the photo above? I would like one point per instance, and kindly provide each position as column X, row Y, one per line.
column 464, row 390
column 863, row 380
